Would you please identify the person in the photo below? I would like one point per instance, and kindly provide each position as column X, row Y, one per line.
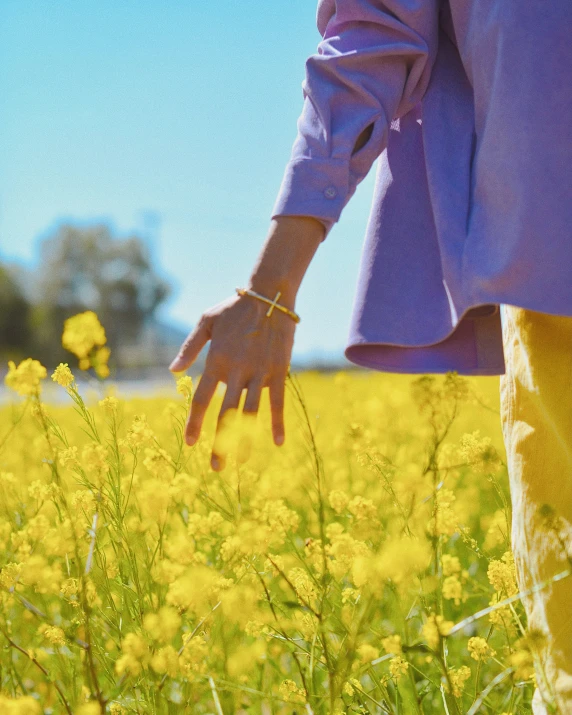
column 466, row 105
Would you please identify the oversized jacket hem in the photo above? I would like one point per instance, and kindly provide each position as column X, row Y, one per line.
column 472, row 347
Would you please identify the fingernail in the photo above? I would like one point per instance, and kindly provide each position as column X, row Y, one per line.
column 215, row 464
column 190, row 441
column 176, row 363
column 280, row 439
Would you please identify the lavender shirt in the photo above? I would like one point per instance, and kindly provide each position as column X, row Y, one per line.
column 471, row 106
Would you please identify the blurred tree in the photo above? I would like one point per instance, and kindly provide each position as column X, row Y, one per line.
column 87, row 268
column 14, row 316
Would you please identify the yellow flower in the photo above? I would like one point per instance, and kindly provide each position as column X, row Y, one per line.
column 305, row 587
column 435, row 627
column 338, row 500
column 444, row 517
column 306, row 623
column 99, row 362
column 81, row 333
column 157, row 461
column 185, row 386
column 291, row 692
column 194, row 656
column 362, row 508
column 135, row 655
column 451, row 565
column 25, row 379
column 479, row 452
column 400, row 559
column 154, row 499
column 84, row 500
column 10, row 575
column 70, row 587
column 37, row 527
column 453, row 589
column 164, row 625
column 183, row 488
column 63, row 375
column 502, row 574
column 68, row 457
column 350, row 595
column 276, row 515
column 501, row 617
column 40, row 491
column 55, row 635
column 110, row 405
column 26, row 705
column 523, row 663
column 89, row 709
column 367, row 653
column 348, row 689
column 458, row 677
column 139, row 433
column 166, row 660
column 94, row 458
column 392, row 644
column 479, row 648
column 398, row 666
column 498, row 531
column 44, row 577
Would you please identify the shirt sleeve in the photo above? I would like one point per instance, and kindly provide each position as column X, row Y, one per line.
column 372, row 65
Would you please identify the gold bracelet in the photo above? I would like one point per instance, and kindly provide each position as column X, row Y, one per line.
column 273, row 303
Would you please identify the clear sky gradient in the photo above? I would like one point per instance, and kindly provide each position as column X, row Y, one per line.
column 125, row 110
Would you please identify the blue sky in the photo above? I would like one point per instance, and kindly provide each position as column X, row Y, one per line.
column 125, row 110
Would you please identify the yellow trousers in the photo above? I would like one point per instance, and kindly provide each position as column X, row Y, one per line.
column 536, row 417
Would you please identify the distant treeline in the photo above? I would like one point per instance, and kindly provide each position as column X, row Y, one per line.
column 79, row 268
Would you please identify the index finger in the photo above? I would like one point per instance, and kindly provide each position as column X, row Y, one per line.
column 192, row 346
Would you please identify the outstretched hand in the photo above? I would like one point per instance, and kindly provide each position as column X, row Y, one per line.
column 248, row 351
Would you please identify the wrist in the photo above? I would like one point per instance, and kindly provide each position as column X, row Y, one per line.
column 269, row 287
column 270, row 304
column 310, row 225
column 290, row 244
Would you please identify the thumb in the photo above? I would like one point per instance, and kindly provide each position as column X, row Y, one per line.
column 192, row 346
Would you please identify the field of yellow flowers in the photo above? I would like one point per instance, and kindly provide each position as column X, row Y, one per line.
column 362, row 567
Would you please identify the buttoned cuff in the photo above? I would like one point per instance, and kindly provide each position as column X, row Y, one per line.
column 313, row 187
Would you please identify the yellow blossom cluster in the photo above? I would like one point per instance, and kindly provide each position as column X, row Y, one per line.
column 458, row 677
column 84, row 336
column 445, row 519
column 455, row 578
column 435, row 628
column 325, row 574
column 398, row 667
column 502, row 575
column 24, row 705
column 185, row 387
column 63, row 375
column 479, row 452
column 392, row 644
column 135, row 655
column 53, row 634
column 292, row 692
column 25, row 379
column 479, row 648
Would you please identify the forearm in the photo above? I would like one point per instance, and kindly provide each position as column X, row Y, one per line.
column 286, row 254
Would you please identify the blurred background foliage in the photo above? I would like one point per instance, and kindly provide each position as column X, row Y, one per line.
column 87, row 268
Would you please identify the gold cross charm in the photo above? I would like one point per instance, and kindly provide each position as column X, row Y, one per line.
column 273, row 304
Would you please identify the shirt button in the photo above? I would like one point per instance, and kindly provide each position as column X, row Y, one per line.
column 330, row 192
